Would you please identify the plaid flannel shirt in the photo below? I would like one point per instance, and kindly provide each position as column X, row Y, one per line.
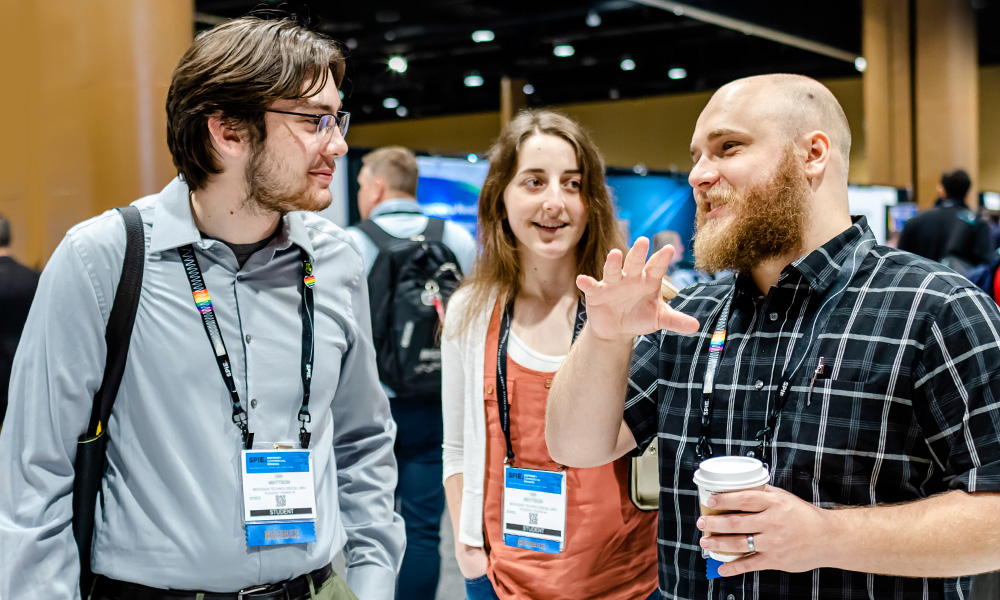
column 906, row 407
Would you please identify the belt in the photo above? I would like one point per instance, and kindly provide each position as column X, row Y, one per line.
column 286, row 590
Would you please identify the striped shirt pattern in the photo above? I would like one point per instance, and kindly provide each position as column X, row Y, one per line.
column 905, row 408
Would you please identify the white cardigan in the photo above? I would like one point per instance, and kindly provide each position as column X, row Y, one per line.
column 463, row 405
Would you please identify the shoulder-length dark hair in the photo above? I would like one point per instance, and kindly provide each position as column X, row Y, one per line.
column 498, row 268
column 236, row 71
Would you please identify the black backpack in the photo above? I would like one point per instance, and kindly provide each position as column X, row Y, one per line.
column 409, row 285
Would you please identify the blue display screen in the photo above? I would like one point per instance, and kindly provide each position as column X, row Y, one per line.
column 448, row 188
column 654, row 203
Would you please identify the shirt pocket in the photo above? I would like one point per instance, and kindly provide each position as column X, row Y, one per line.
column 830, row 440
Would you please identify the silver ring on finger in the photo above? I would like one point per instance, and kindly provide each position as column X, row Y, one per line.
column 750, row 546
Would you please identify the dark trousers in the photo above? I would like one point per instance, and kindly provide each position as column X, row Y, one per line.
column 419, row 493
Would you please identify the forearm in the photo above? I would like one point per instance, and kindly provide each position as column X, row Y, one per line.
column 587, row 400
column 453, row 495
column 947, row 535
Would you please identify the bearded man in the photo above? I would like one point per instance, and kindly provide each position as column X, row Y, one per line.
column 285, row 407
column 863, row 377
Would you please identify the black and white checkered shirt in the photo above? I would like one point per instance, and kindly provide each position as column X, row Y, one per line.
column 906, row 407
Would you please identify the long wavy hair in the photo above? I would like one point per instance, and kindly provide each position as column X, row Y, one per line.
column 498, row 267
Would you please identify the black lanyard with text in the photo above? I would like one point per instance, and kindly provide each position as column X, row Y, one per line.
column 799, row 353
column 503, row 405
column 204, row 305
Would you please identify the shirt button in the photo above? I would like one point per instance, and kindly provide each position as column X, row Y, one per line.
column 730, row 597
column 759, row 385
column 247, row 338
column 774, row 316
column 253, row 403
column 750, row 454
column 239, row 278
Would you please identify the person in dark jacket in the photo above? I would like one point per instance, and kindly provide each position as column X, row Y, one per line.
column 17, row 288
column 950, row 230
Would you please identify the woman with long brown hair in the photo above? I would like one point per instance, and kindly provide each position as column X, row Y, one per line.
column 525, row 526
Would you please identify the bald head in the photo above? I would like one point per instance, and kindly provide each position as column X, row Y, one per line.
column 796, row 104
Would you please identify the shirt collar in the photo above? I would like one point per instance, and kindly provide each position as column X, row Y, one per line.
column 395, row 205
column 173, row 223
column 820, row 267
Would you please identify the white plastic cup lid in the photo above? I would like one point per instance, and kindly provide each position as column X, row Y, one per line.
column 731, row 473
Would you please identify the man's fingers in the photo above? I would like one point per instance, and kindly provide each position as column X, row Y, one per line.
column 635, row 260
column 659, row 262
column 676, row 321
column 732, row 524
column 747, row 564
column 730, row 544
column 613, row 266
column 741, row 501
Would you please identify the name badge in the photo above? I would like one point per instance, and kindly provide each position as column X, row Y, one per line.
column 534, row 509
column 279, row 497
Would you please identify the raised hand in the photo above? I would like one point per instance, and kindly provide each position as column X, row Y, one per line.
column 627, row 301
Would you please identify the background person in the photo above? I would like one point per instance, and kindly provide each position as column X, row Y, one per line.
column 544, row 216
column 254, row 126
column 897, row 426
column 387, row 194
column 17, row 288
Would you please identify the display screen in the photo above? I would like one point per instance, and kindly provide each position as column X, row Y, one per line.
column 990, row 201
column 448, row 188
column 655, row 203
column 873, row 202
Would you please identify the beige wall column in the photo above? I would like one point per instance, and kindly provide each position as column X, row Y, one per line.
column 947, row 94
column 84, row 95
column 887, row 93
column 512, row 99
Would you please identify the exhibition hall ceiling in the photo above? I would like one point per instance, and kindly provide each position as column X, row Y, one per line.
column 565, row 51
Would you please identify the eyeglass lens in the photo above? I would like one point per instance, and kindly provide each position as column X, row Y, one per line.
column 324, row 129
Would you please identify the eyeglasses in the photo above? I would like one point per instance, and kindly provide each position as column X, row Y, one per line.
column 324, row 123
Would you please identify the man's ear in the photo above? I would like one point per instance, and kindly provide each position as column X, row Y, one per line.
column 380, row 187
column 818, row 154
column 226, row 139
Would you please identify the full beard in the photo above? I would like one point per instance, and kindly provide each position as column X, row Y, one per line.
column 767, row 221
column 268, row 192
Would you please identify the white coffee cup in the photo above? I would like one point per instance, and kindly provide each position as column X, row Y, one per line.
column 728, row 474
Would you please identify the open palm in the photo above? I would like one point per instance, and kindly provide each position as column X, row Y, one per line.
column 627, row 301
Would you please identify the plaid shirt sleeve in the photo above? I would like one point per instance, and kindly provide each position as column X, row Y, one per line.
column 957, row 391
column 641, row 414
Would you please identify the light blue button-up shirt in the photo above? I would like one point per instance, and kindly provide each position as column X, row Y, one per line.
column 172, row 503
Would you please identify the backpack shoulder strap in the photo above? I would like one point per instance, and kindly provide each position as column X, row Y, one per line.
column 380, row 237
column 119, row 330
column 434, row 232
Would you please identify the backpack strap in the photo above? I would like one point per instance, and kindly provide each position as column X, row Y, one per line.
column 119, row 330
column 380, row 237
column 434, row 232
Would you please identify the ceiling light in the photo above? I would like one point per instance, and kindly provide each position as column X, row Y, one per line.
column 563, row 51
column 351, row 43
column 482, row 35
column 593, row 19
column 860, row 64
column 472, row 158
column 614, row 94
column 528, row 89
column 678, row 11
column 474, row 79
column 677, row 73
column 398, row 64
column 628, row 64
column 389, row 36
column 390, row 103
column 401, row 111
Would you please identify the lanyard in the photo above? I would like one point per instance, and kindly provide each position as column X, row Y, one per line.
column 204, row 305
column 503, row 406
column 799, row 352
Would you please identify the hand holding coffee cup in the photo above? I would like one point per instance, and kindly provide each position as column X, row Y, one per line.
column 725, row 474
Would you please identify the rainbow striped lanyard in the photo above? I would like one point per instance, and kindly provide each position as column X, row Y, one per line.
column 718, row 342
column 203, row 302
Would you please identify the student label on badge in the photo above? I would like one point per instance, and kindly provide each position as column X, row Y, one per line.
column 279, row 497
column 534, row 509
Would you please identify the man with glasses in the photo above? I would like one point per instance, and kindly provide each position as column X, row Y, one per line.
column 239, row 463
